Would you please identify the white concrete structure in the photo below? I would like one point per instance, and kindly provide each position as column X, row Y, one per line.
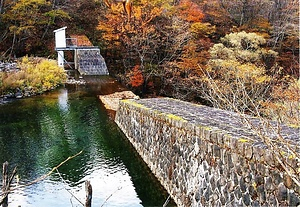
column 87, row 59
column 60, row 43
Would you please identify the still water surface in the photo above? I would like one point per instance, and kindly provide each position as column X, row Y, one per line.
column 38, row 133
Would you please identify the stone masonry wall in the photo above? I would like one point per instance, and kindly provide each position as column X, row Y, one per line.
column 90, row 62
column 205, row 156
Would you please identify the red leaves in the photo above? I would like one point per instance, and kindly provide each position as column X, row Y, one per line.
column 136, row 77
column 190, row 11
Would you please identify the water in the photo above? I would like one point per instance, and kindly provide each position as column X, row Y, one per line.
column 38, row 133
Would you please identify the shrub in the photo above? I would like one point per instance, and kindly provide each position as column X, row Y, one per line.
column 239, row 74
column 38, row 74
column 285, row 103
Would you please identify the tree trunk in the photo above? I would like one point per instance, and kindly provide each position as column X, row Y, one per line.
column 4, row 184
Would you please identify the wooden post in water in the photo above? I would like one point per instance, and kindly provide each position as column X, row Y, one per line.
column 88, row 191
column 4, row 184
column 6, row 181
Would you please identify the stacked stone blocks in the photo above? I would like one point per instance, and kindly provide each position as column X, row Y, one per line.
column 205, row 156
column 90, row 62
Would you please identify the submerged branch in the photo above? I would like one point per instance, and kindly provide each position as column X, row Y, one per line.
column 42, row 177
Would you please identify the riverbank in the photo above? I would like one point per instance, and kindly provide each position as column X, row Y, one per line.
column 8, row 66
column 30, row 76
column 7, row 98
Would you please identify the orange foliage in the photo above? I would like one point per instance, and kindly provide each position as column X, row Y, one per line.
column 80, row 40
column 136, row 78
column 190, row 11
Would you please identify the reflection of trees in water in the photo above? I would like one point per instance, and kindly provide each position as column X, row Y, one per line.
column 18, row 142
column 44, row 131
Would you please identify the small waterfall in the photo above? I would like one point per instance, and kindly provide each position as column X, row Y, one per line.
column 89, row 61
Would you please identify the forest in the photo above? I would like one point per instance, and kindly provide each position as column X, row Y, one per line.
column 233, row 54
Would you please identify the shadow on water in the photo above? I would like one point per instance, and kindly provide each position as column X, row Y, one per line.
column 38, row 133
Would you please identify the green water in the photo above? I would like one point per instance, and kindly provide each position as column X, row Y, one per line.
column 38, row 133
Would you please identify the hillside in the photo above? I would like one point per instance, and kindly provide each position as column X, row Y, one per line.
column 237, row 55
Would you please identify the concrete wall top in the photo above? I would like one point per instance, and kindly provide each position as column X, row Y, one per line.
column 227, row 129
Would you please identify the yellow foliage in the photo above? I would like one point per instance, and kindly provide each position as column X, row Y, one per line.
column 263, row 79
column 37, row 73
column 236, row 76
column 202, row 29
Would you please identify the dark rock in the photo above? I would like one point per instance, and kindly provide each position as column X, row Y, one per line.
column 18, row 94
column 243, row 185
column 246, row 199
column 293, row 200
column 282, row 192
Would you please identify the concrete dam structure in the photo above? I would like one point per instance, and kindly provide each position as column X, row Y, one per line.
column 89, row 61
column 87, row 58
column 205, row 156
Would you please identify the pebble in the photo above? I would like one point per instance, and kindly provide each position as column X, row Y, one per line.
column 8, row 66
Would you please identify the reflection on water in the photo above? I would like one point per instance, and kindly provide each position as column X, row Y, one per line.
column 36, row 134
column 63, row 100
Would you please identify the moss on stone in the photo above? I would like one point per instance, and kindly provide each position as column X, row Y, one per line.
column 178, row 118
column 243, row 140
column 133, row 103
column 207, row 128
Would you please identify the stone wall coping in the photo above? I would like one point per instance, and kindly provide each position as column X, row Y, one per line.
column 225, row 129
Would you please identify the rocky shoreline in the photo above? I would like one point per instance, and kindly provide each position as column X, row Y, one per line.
column 27, row 91
column 8, row 66
column 16, row 95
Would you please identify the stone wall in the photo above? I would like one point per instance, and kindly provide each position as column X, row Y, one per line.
column 90, row 62
column 205, row 156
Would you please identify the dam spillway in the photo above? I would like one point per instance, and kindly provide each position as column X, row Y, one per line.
column 89, row 61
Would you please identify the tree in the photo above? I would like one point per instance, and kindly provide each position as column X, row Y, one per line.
column 243, row 73
column 136, row 77
column 145, row 41
column 191, row 41
column 239, row 79
column 276, row 20
column 284, row 17
column 245, row 11
column 27, row 23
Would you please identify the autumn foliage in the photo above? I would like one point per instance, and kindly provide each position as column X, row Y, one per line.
column 136, row 78
column 236, row 55
column 36, row 75
column 172, row 48
column 189, row 11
